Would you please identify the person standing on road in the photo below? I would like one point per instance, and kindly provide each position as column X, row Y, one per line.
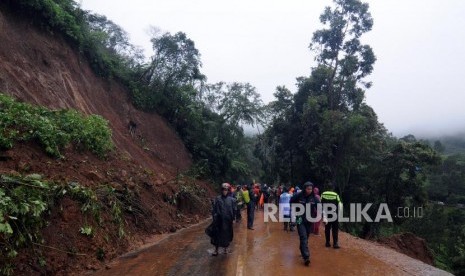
column 285, row 208
column 250, row 207
column 304, row 226
column 265, row 193
column 223, row 217
column 232, row 194
column 279, row 191
column 240, row 203
column 316, row 225
column 256, row 195
column 331, row 197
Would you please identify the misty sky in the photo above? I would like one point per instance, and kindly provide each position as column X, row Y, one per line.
column 420, row 46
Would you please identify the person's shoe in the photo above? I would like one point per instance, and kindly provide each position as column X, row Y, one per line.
column 328, row 244
column 215, row 253
column 250, row 228
column 307, row 262
column 336, row 246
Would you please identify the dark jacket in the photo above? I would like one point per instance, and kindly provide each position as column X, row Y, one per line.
column 304, row 199
column 223, row 216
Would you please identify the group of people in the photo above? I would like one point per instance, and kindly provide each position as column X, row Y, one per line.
column 227, row 208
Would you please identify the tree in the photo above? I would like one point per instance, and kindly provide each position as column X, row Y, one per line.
column 282, row 104
column 169, row 83
column 438, row 146
column 237, row 103
column 340, row 52
column 175, row 62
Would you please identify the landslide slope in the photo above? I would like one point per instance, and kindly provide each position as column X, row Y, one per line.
column 40, row 68
column 37, row 67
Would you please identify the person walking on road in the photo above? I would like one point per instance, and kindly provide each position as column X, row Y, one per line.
column 331, row 197
column 304, row 226
column 223, row 217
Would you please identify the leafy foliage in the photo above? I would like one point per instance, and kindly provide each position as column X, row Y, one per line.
column 236, row 103
column 104, row 44
column 54, row 130
column 25, row 202
column 208, row 117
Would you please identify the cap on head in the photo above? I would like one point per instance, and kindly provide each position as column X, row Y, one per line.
column 308, row 184
column 226, row 186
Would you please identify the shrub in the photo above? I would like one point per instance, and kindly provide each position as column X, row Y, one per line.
column 26, row 201
column 54, row 130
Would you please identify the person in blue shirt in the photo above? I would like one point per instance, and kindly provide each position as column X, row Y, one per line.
column 285, row 208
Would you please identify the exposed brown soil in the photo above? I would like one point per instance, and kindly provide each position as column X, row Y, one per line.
column 40, row 68
column 410, row 245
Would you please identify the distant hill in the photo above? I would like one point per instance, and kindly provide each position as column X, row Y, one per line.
column 452, row 144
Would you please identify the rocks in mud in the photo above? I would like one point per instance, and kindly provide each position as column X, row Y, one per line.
column 131, row 185
column 92, row 267
column 124, row 173
column 94, row 176
column 117, row 186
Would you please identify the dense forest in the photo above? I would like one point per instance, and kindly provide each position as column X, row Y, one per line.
column 324, row 131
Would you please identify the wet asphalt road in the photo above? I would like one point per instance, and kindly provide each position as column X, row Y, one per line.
column 267, row 250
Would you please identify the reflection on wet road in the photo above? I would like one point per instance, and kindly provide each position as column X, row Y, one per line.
column 267, row 250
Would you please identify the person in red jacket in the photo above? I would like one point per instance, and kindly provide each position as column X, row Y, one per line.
column 256, row 195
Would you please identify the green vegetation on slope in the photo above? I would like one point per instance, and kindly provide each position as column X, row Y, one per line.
column 27, row 201
column 54, row 130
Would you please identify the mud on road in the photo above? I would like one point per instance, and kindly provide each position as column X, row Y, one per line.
column 267, row 250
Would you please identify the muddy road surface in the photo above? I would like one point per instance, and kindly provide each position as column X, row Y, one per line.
column 267, row 250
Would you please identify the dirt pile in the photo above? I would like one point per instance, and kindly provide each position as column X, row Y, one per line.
column 410, row 245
